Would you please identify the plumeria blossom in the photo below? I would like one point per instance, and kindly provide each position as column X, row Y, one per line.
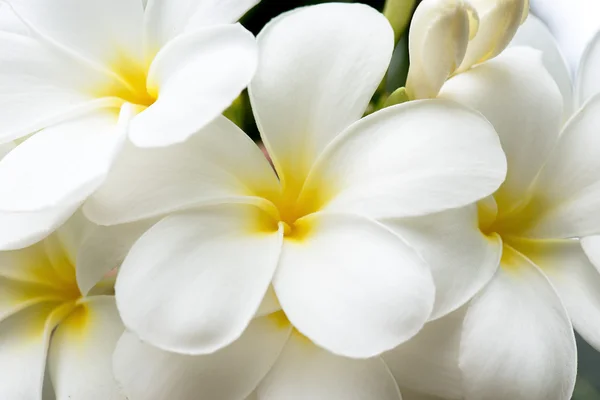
column 270, row 359
column 79, row 77
column 56, row 338
column 516, row 340
column 194, row 281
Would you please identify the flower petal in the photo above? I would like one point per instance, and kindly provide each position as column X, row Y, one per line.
column 428, row 363
column 588, row 75
column 104, row 249
column 40, row 87
column 575, row 279
column 220, row 162
column 165, row 19
column 319, row 67
column 526, row 117
column 534, row 33
column 352, row 286
column 305, row 371
column 439, row 34
column 9, row 22
column 101, row 31
column 193, row 282
column 412, row 159
column 408, row 394
column 231, row 373
column 62, row 165
column 80, row 355
column 196, row 77
column 517, row 340
column 462, row 259
column 566, row 197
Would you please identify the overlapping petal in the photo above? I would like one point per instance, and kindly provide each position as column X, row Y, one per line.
column 193, row 282
column 304, row 371
column 319, row 67
column 411, row 159
column 228, row 374
column 352, row 286
column 507, row 354
column 588, row 76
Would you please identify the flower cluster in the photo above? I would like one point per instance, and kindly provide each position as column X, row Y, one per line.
column 441, row 241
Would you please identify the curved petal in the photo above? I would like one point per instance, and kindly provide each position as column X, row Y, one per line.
column 220, row 162
column 40, row 87
column 319, row 67
column 193, row 282
column 534, row 33
column 101, row 31
column 9, row 22
column 231, row 373
column 408, row 394
column 412, row 159
column 64, row 164
column 439, row 34
column 498, row 23
column 462, row 259
column 526, row 117
column 566, row 196
column 24, row 340
column 428, row 363
column 352, row 286
column 166, row 19
column 80, row 355
column 196, row 77
column 103, row 249
column 575, row 279
column 517, row 340
column 305, row 371
column 588, row 75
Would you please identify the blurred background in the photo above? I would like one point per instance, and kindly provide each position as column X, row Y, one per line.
column 573, row 23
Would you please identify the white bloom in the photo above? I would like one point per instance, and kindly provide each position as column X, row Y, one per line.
column 70, row 68
column 55, row 336
column 194, row 281
column 517, row 340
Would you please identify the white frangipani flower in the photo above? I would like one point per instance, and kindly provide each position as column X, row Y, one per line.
column 172, row 67
column 517, row 337
column 193, row 282
column 54, row 336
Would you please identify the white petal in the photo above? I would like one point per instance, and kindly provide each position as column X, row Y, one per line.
column 527, row 117
column 101, row 31
column 193, row 282
column 428, row 363
column 408, row 394
column 231, row 373
column 566, row 196
column 352, row 286
column 517, row 340
column 319, row 67
column 165, row 19
column 588, row 75
column 498, row 22
column 80, row 356
column 40, row 86
column 220, row 162
column 104, row 249
column 23, row 345
column 62, row 165
column 9, row 22
column 196, row 77
column 461, row 258
column 439, row 34
column 304, row 371
column 534, row 33
column 412, row 159
column 575, row 279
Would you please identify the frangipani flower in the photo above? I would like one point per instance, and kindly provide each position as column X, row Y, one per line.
column 270, row 358
column 517, row 340
column 173, row 66
column 193, row 282
column 54, row 336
